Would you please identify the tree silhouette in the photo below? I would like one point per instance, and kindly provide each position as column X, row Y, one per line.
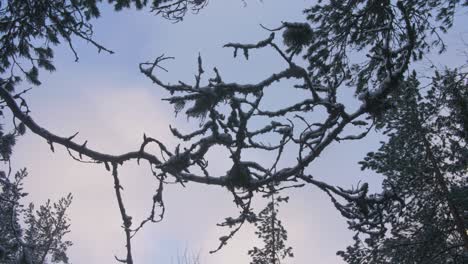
column 30, row 236
column 424, row 163
column 391, row 35
column 270, row 229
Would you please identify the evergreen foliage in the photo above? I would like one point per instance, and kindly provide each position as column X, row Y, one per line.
column 270, row 229
column 425, row 164
column 29, row 30
column 31, row 236
column 420, row 217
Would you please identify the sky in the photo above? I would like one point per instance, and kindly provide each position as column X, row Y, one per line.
column 112, row 104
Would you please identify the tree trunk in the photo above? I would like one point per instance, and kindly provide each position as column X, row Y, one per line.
column 273, row 234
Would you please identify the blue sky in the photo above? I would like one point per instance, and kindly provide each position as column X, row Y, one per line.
column 111, row 104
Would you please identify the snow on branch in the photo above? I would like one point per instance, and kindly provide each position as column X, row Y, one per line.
column 234, row 117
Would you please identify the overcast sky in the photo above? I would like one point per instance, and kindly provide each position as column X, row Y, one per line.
column 111, row 104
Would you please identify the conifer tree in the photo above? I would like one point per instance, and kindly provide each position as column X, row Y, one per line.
column 390, row 34
column 270, row 229
column 425, row 165
column 27, row 235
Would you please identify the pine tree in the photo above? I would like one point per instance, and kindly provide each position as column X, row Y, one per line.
column 270, row 229
column 424, row 163
column 390, row 35
column 39, row 239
